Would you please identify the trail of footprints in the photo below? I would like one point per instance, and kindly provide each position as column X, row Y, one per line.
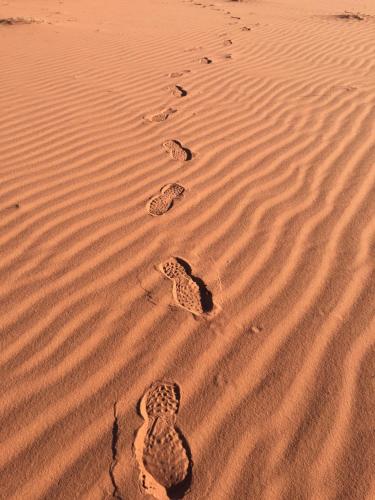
column 160, row 450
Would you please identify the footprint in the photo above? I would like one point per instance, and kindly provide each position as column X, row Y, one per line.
column 177, row 91
column 176, row 151
column 356, row 16
column 245, row 28
column 193, row 49
column 10, row 21
column 160, row 449
column 189, row 292
column 160, row 117
column 161, row 203
column 227, row 43
column 205, row 60
column 176, row 74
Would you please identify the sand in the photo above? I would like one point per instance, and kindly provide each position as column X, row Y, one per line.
column 187, row 249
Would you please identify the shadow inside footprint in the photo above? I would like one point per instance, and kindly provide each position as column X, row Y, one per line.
column 205, row 294
column 179, row 490
column 205, row 60
column 181, row 90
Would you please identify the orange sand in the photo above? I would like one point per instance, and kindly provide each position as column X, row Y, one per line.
column 272, row 216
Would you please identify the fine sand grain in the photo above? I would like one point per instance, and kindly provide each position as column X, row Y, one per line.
column 222, row 348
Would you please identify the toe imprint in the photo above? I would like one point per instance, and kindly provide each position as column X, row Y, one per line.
column 173, row 269
column 227, row 43
column 175, row 190
column 162, row 394
column 160, row 449
column 175, row 150
column 161, row 203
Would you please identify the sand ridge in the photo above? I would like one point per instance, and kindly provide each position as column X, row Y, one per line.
column 245, row 129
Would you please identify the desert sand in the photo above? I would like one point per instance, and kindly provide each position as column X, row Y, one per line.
column 187, row 249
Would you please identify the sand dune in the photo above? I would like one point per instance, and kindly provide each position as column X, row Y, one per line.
column 187, row 225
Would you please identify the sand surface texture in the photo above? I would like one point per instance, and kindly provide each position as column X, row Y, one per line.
column 187, row 249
